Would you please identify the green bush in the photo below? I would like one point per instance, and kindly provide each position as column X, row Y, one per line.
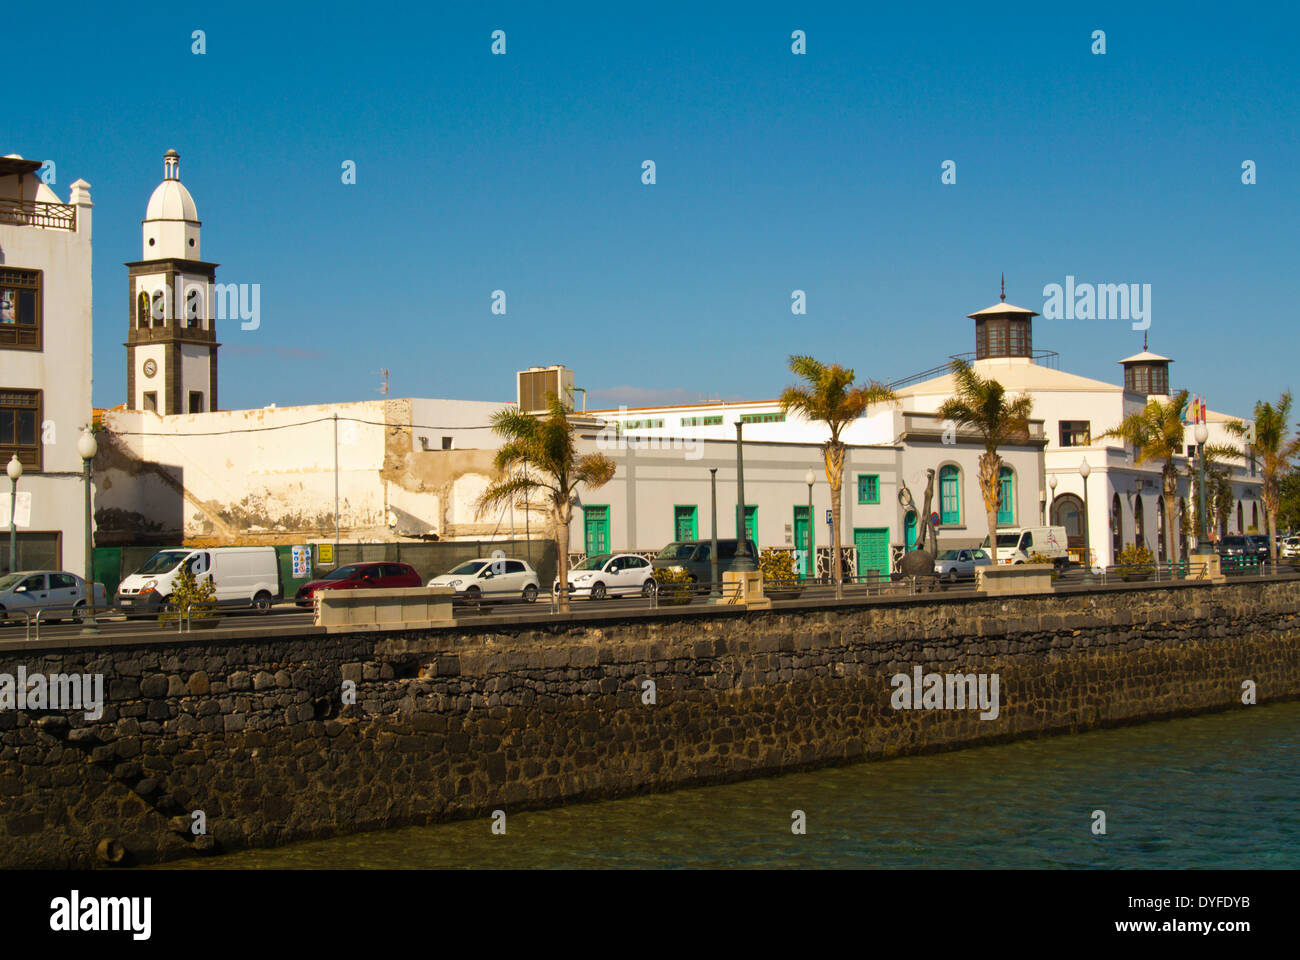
column 675, row 586
column 1134, row 561
column 777, row 567
column 199, row 595
column 1044, row 558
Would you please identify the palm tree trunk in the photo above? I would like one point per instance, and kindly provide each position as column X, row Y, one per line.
column 562, row 517
column 1172, row 537
column 834, row 453
column 990, row 464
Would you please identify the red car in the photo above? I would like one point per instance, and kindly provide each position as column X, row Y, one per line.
column 361, row 576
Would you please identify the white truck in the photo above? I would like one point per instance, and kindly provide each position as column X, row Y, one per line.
column 251, row 574
column 1018, row 544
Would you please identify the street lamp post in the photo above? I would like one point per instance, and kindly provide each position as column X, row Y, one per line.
column 1202, row 536
column 1084, row 470
column 810, row 557
column 15, row 470
column 1051, row 497
column 743, row 559
column 714, row 591
column 87, row 447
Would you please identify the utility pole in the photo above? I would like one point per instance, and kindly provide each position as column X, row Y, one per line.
column 714, row 589
column 336, row 490
column 743, row 559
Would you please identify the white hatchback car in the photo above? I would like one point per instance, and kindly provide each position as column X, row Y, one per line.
column 610, row 575
column 491, row 578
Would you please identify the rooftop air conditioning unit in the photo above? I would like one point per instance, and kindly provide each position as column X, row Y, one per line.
column 536, row 382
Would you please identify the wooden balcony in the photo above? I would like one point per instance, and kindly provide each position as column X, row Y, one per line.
column 34, row 213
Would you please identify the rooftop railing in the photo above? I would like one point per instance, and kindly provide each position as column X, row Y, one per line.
column 35, row 213
column 1043, row 358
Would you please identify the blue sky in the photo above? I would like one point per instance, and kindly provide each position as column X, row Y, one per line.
column 775, row 172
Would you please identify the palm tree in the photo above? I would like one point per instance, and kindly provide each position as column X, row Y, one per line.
column 829, row 394
column 544, row 449
column 983, row 405
column 1276, row 451
column 1156, row 433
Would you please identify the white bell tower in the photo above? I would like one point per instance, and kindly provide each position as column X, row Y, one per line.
column 171, row 346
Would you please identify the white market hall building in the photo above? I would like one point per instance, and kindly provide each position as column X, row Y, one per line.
column 661, row 490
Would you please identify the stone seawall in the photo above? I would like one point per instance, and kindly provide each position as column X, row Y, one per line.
column 460, row 721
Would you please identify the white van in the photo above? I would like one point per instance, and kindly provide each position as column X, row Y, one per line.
column 1018, row 544
column 237, row 573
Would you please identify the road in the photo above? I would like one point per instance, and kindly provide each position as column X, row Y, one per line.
column 287, row 614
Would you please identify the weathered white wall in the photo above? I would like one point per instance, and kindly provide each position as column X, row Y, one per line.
column 244, row 475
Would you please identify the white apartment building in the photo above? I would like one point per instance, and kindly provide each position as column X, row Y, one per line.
column 45, row 361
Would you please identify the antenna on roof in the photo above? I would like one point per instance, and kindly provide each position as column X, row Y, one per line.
column 1144, row 341
column 1004, row 287
column 383, row 384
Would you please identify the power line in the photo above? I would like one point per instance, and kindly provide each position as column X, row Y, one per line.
column 301, row 423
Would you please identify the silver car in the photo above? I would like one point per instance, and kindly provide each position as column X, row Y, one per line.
column 62, row 594
column 954, row 565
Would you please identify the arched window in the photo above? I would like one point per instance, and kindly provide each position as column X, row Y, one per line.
column 142, row 310
column 909, row 529
column 1162, row 549
column 1241, row 526
column 159, row 308
column 1139, row 522
column 1254, row 516
column 1006, row 497
column 949, row 495
column 192, row 317
column 1116, row 528
column 1067, row 511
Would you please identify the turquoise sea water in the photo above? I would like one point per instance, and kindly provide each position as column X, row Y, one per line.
column 1215, row 791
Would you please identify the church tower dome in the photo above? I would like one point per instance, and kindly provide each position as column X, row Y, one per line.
column 171, row 220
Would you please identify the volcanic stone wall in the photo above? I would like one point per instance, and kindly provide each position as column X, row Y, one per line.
column 263, row 737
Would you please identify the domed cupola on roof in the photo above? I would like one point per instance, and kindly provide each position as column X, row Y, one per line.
column 1004, row 330
column 171, row 221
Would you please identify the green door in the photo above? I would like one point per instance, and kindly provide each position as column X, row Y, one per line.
column 802, row 530
column 684, row 525
column 751, row 522
column 909, row 528
column 873, row 550
column 595, row 522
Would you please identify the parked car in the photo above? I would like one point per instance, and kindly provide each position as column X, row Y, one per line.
column 693, row 557
column 610, row 574
column 236, row 573
column 491, row 578
column 1237, row 545
column 360, row 576
column 1290, row 547
column 1018, row 544
column 954, row 565
column 33, row 590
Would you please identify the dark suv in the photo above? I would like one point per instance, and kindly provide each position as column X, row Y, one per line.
column 694, row 557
